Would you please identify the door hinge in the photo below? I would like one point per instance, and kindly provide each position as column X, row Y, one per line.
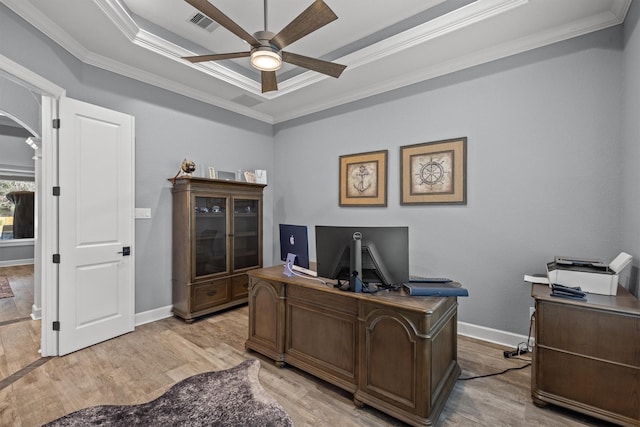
column 56, row 258
column 56, row 123
column 56, row 325
column 56, row 191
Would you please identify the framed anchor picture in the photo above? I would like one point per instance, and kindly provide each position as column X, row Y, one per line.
column 434, row 172
column 363, row 179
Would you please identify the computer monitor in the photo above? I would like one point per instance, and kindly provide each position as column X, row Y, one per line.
column 380, row 253
column 294, row 240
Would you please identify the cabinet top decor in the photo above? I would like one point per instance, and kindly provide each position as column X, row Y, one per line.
column 185, row 180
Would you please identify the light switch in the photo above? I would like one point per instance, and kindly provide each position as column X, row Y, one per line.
column 144, row 213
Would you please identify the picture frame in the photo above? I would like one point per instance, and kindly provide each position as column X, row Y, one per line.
column 363, row 179
column 249, row 176
column 212, row 172
column 434, row 172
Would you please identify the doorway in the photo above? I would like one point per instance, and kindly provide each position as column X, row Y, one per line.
column 17, row 212
column 46, row 230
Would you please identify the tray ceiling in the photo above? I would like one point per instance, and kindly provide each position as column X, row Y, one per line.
column 385, row 45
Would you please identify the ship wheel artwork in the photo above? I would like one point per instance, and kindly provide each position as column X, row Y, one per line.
column 432, row 173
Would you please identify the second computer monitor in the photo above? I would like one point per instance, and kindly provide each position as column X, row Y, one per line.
column 294, row 239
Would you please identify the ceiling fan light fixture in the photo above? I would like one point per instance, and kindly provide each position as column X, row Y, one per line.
column 265, row 59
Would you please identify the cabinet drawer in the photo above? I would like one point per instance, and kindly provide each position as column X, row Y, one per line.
column 209, row 294
column 240, row 286
column 590, row 332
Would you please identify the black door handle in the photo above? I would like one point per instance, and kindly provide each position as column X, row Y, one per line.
column 126, row 251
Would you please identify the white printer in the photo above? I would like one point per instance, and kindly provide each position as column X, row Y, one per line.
column 591, row 275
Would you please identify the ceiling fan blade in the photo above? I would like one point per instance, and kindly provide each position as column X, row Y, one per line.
column 216, row 15
column 269, row 82
column 216, row 56
column 325, row 67
column 312, row 18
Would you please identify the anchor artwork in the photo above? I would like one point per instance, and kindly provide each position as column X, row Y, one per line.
column 363, row 179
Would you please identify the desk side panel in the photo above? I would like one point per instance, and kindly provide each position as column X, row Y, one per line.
column 321, row 335
column 266, row 318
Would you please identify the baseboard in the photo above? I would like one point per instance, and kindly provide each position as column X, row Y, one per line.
column 16, row 262
column 36, row 312
column 153, row 315
column 507, row 339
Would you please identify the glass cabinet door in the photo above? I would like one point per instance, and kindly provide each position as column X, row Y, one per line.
column 246, row 231
column 210, row 227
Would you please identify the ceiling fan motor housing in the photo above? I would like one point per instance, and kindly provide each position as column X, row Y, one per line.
column 265, row 57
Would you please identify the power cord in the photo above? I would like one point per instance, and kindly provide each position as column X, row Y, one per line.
column 495, row 373
column 520, row 350
column 512, row 354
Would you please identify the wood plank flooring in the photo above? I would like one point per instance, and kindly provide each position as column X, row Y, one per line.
column 140, row 366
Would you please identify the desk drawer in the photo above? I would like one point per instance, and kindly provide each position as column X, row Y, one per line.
column 209, row 294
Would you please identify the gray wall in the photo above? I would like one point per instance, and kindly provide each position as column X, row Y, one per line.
column 169, row 128
column 18, row 101
column 543, row 175
column 15, row 152
column 630, row 224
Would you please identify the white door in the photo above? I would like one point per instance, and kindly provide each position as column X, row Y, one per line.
column 96, row 225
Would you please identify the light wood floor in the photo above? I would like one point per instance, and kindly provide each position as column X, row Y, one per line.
column 139, row 366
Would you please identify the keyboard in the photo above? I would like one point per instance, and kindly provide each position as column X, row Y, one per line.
column 305, row 270
column 416, row 279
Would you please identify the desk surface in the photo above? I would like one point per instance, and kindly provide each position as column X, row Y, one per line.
column 623, row 302
column 397, row 299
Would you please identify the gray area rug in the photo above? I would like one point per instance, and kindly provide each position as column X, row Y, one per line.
column 233, row 397
column 5, row 288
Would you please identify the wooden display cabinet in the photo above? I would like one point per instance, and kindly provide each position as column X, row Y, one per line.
column 217, row 239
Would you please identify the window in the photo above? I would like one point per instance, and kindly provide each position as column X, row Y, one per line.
column 7, row 207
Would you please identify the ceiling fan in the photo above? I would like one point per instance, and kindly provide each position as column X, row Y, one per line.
column 266, row 47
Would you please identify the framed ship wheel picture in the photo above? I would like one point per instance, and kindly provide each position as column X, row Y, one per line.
column 363, row 179
column 434, row 172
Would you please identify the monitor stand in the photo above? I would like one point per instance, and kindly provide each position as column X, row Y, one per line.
column 355, row 281
column 289, row 263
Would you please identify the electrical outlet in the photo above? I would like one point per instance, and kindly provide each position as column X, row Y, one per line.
column 531, row 311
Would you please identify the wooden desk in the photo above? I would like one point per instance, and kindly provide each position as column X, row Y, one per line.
column 587, row 354
column 394, row 352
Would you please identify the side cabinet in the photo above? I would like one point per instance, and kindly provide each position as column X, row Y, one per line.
column 587, row 355
column 217, row 239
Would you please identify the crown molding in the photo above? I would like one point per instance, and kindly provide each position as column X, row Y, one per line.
column 614, row 16
column 40, row 21
column 173, row 86
column 28, row 78
column 119, row 16
column 174, row 52
column 147, row 40
column 45, row 25
column 448, row 23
